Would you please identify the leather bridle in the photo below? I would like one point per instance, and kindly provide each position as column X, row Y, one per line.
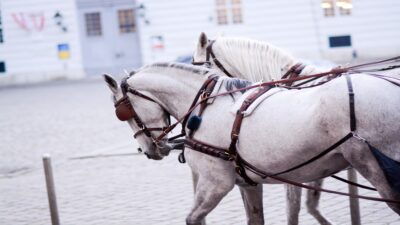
column 125, row 111
column 211, row 55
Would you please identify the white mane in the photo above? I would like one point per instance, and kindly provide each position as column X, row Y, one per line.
column 254, row 60
column 177, row 68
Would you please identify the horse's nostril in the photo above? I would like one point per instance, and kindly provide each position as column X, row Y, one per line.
column 148, row 156
column 139, row 150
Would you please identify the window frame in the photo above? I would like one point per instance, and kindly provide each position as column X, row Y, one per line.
column 221, row 11
column 236, row 8
column 93, row 25
column 340, row 41
column 228, row 12
column 328, row 7
column 345, row 7
column 126, row 21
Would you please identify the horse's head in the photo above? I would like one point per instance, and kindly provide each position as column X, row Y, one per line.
column 147, row 118
column 201, row 55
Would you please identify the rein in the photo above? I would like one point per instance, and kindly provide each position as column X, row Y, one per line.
column 333, row 72
column 240, row 164
column 125, row 111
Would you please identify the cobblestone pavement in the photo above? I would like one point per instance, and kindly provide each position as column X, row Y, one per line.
column 70, row 119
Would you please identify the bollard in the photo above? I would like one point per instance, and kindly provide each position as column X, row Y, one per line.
column 354, row 202
column 51, row 191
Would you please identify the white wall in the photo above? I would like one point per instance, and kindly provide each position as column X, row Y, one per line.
column 373, row 25
column 32, row 55
column 298, row 26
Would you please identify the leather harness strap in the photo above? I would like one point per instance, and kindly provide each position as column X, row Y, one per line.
column 294, row 71
column 326, row 151
column 353, row 123
column 237, row 124
column 203, row 92
column 242, row 164
column 208, row 149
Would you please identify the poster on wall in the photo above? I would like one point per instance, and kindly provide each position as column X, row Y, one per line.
column 63, row 51
column 157, row 43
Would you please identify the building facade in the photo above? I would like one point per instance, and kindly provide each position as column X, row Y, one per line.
column 39, row 41
column 49, row 39
column 338, row 30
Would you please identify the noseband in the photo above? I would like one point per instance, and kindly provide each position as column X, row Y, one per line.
column 125, row 111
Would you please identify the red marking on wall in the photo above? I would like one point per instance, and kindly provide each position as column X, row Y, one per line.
column 29, row 21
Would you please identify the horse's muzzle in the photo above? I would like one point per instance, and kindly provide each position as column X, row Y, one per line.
column 154, row 157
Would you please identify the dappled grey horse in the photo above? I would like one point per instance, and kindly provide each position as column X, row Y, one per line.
column 286, row 128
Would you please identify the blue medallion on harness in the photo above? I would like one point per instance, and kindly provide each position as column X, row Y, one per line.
column 390, row 167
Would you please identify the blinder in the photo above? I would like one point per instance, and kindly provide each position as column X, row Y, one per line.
column 123, row 109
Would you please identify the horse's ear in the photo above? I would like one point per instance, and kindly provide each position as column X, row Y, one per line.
column 203, row 40
column 111, row 82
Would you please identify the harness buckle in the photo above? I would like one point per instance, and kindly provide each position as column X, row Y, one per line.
column 229, row 156
column 358, row 137
column 207, row 64
column 204, row 95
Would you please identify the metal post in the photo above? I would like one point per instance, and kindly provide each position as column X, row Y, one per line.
column 354, row 203
column 51, row 191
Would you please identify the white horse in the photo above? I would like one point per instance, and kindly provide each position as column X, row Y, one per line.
column 286, row 129
column 259, row 61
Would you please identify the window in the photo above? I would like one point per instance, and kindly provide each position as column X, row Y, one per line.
column 1, row 30
column 2, row 67
column 93, row 24
column 328, row 7
column 340, row 41
column 227, row 9
column 236, row 11
column 345, row 7
column 222, row 14
column 126, row 18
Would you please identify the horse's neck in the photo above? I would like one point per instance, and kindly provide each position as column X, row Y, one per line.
column 265, row 64
column 173, row 91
